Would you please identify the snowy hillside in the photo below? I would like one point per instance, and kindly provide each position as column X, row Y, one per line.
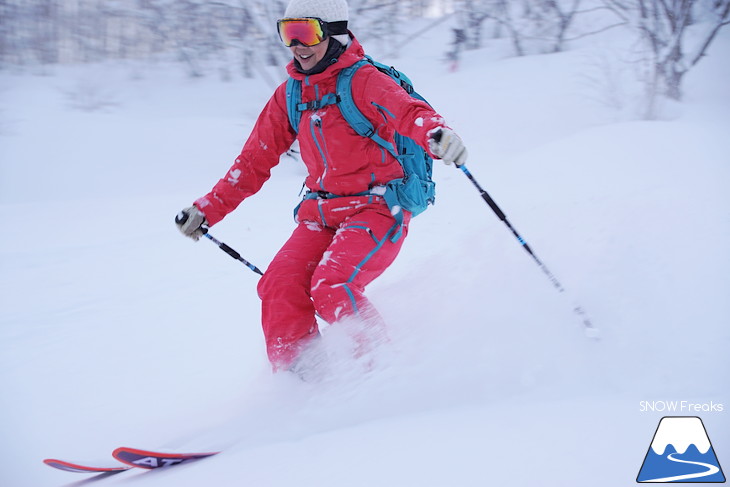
column 117, row 331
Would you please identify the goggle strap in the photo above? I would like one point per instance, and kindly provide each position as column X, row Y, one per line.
column 337, row 28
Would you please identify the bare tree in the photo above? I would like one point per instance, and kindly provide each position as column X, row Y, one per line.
column 564, row 15
column 533, row 26
column 663, row 26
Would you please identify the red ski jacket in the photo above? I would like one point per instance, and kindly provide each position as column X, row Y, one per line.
column 339, row 161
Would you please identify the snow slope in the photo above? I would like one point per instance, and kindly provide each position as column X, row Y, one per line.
column 116, row 331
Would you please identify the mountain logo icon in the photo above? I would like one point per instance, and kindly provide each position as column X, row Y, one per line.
column 681, row 452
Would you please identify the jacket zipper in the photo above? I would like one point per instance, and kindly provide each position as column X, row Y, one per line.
column 316, row 129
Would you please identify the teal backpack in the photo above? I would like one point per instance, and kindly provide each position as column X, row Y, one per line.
column 416, row 189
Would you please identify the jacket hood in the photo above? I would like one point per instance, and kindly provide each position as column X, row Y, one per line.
column 352, row 54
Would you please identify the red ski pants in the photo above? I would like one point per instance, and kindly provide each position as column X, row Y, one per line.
column 339, row 246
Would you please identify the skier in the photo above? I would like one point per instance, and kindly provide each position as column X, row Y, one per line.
column 344, row 234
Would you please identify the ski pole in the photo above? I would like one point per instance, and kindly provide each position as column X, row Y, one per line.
column 228, row 250
column 590, row 330
column 182, row 217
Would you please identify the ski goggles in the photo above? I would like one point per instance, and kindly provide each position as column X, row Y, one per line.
column 308, row 31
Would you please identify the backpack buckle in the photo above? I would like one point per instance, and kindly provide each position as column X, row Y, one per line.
column 328, row 99
column 311, row 105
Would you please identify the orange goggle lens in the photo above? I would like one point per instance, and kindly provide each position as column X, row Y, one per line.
column 307, row 31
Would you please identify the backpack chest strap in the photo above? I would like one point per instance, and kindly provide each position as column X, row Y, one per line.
column 328, row 99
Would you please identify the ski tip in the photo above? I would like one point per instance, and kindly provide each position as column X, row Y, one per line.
column 80, row 468
column 149, row 460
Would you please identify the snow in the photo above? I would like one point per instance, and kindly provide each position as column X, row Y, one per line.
column 116, row 331
column 689, row 430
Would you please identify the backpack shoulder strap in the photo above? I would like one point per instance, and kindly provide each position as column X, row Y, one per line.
column 293, row 98
column 352, row 113
column 349, row 110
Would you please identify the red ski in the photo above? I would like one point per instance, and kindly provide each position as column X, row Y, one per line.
column 154, row 459
column 81, row 468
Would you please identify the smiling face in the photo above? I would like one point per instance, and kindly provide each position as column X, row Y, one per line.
column 308, row 57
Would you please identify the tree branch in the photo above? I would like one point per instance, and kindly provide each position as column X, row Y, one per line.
column 701, row 52
column 595, row 32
